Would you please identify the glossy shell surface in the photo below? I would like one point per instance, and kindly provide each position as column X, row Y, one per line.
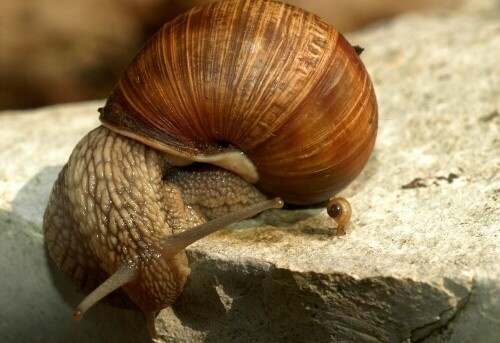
column 266, row 78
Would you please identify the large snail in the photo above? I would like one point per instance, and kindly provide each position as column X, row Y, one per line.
column 273, row 98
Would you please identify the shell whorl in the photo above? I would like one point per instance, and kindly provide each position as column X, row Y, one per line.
column 266, row 78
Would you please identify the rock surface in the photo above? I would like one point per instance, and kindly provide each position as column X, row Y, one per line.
column 420, row 260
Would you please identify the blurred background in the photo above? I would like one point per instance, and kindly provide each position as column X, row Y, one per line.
column 55, row 51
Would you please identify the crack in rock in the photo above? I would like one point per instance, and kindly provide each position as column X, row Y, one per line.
column 445, row 317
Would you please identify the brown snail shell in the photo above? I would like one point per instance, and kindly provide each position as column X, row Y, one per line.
column 259, row 79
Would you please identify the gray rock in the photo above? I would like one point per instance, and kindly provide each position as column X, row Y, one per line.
column 421, row 256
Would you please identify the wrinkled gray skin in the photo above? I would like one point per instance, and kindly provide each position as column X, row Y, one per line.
column 112, row 203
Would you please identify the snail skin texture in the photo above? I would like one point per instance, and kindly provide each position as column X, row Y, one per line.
column 227, row 106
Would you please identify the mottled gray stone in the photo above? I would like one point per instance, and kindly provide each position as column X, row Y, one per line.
column 420, row 258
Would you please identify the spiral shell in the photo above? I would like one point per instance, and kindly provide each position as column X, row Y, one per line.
column 253, row 78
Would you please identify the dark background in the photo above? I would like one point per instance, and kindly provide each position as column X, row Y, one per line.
column 55, row 51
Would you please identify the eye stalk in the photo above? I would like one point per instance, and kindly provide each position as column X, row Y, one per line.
column 340, row 210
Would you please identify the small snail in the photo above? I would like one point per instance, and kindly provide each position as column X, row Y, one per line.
column 227, row 106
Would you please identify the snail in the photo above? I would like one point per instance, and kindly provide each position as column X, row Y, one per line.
column 232, row 108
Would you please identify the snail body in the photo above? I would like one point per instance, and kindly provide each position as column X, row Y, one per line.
column 274, row 98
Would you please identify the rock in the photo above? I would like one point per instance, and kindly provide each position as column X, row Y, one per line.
column 420, row 258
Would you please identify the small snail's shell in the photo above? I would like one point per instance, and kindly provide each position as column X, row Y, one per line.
column 263, row 77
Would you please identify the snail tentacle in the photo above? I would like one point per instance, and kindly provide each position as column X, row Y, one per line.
column 150, row 320
column 125, row 274
column 172, row 244
column 340, row 210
